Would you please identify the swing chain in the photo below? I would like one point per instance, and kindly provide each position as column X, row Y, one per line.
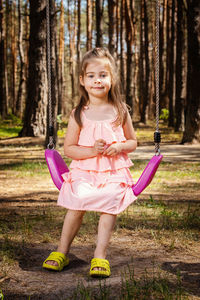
column 51, row 127
column 157, row 135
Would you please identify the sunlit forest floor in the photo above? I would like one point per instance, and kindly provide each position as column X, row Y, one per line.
column 154, row 251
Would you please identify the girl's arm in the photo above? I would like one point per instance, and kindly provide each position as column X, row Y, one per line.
column 129, row 145
column 71, row 147
column 131, row 141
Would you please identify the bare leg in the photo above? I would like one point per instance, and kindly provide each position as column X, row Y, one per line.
column 105, row 228
column 71, row 225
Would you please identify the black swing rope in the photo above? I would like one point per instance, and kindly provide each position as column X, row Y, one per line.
column 157, row 135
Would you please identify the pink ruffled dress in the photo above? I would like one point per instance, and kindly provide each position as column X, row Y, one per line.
column 101, row 183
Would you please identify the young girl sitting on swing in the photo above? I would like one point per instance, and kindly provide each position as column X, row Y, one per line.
column 98, row 138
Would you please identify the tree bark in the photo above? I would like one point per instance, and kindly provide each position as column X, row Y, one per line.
column 192, row 126
column 111, row 28
column 99, row 23
column 3, row 110
column 14, row 57
column 141, row 61
column 36, row 101
column 179, row 101
column 19, row 103
column 122, row 39
column 71, row 52
column 171, row 67
column 78, row 49
column 129, row 43
column 145, row 108
column 89, row 24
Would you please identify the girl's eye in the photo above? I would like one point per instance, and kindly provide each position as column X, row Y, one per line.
column 90, row 76
column 103, row 75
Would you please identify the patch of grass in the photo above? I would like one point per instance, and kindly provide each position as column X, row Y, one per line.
column 145, row 134
column 10, row 127
column 148, row 286
column 9, row 132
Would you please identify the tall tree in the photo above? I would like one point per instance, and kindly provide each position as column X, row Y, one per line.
column 122, row 39
column 36, row 101
column 179, row 99
column 129, row 43
column 71, row 32
column 192, row 126
column 145, row 108
column 141, row 60
column 99, row 23
column 3, row 111
column 19, row 104
column 78, row 47
column 171, row 65
column 89, row 24
column 111, row 28
column 14, row 56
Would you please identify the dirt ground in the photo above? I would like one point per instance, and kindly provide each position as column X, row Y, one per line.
column 27, row 278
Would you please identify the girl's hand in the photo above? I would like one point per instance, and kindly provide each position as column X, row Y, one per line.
column 99, row 146
column 113, row 149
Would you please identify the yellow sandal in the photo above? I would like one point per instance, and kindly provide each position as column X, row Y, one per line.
column 58, row 257
column 100, row 263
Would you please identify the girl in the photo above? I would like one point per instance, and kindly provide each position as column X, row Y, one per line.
column 99, row 136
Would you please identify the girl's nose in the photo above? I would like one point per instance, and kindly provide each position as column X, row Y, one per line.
column 98, row 80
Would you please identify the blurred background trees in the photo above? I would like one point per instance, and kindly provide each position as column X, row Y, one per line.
column 127, row 28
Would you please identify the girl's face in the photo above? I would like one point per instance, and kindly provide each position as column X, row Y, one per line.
column 97, row 79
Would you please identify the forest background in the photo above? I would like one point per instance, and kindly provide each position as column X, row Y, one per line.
column 127, row 28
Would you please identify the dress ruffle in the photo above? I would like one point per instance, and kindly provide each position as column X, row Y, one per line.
column 103, row 163
column 108, row 192
column 99, row 178
column 93, row 130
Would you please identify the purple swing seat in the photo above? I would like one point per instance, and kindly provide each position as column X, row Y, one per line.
column 57, row 167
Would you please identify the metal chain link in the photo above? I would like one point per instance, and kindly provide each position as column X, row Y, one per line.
column 51, row 143
column 157, row 79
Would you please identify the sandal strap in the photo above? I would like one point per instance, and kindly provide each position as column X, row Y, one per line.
column 100, row 263
column 59, row 257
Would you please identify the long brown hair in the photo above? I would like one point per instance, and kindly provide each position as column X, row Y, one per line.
column 114, row 96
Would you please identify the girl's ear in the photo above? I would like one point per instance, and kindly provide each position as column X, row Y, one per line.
column 81, row 80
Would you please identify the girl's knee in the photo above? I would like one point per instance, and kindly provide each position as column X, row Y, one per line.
column 78, row 213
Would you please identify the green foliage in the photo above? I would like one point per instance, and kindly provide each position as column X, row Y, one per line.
column 10, row 127
column 164, row 114
column 1, row 295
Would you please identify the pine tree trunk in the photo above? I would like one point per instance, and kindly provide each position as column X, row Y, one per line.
column 78, row 49
column 117, row 28
column 122, row 39
column 111, row 28
column 171, row 68
column 14, row 57
column 36, row 101
column 19, row 103
column 89, row 24
column 71, row 51
column 141, row 61
column 99, row 23
column 129, row 43
column 3, row 110
column 179, row 104
column 192, row 127
column 145, row 107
